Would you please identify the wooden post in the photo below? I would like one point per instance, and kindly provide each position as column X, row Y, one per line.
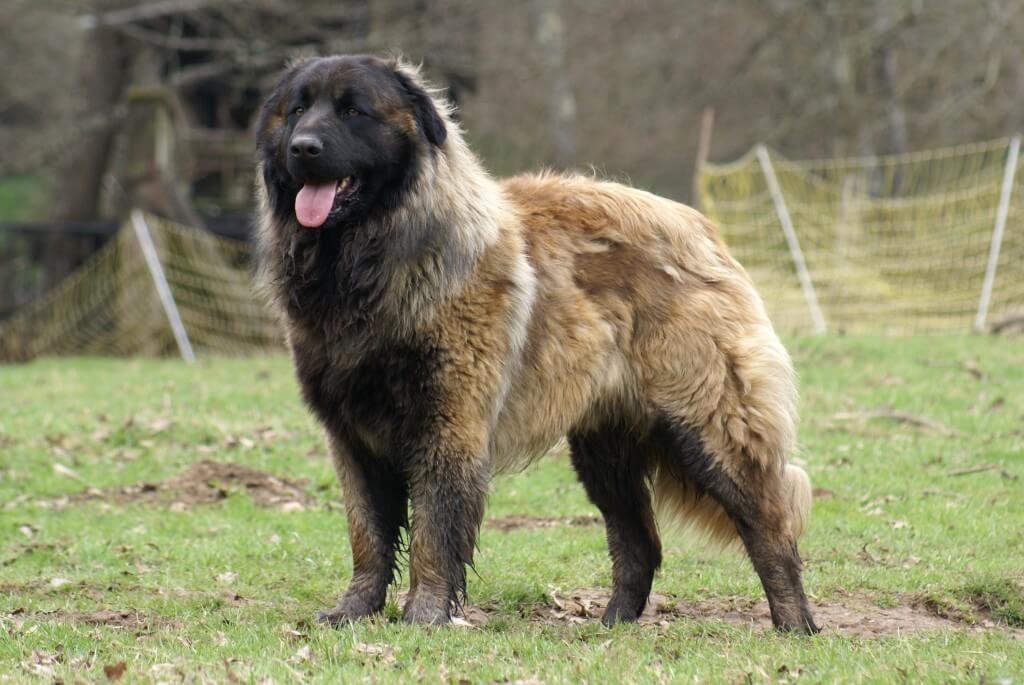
column 707, row 122
column 151, row 166
column 794, row 245
column 1009, row 172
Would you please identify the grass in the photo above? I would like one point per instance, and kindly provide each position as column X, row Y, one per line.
column 22, row 198
column 225, row 591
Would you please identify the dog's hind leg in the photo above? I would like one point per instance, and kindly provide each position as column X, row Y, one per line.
column 612, row 463
column 759, row 503
column 724, row 430
column 376, row 503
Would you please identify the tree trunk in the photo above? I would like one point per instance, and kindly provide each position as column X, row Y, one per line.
column 549, row 34
column 886, row 72
column 80, row 176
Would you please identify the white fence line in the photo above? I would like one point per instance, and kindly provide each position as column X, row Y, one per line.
column 162, row 288
column 995, row 246
column 795, row 252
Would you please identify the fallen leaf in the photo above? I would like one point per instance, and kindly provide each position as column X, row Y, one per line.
column 159, row 425
column 115, row 671
column 291, row 633
column 62, row 470
column 227, row 577
column 231, row 675
column 305, row 654
column 364, row 648
column 42, row 663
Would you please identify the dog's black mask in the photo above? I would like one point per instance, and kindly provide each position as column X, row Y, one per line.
column 341, row 139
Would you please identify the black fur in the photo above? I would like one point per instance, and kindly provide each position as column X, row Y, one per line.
column 759, row 518
column 385, row 490
column 334, row 277
column 372, row 383
column 380, row 154
column 613, row 464
column 427, row 117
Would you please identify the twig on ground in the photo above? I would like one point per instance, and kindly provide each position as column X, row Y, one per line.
column 896, row 415
column 970, row 367
column 981, row 468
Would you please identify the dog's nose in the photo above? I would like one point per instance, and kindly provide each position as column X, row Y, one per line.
column 306, row 146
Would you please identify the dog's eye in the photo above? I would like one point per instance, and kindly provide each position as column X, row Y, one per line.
column 298, row 111
column 352, row 112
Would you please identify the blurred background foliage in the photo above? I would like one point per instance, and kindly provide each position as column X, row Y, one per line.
column 614, row 85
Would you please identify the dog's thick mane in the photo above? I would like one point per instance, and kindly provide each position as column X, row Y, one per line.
column 379, row 276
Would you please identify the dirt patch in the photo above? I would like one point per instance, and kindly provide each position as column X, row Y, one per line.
column 823, row 493
column 520, row 522
column 855, row 617
column 208, row 482
column 114, row 618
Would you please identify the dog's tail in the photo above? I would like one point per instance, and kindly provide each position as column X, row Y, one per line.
column 797, row 487
column 681, row 506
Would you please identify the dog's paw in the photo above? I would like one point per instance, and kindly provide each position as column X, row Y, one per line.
column 427, row 610
column 623, row 610
column 347, row 611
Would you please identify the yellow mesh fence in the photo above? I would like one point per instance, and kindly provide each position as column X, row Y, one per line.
column 895, row 244
column 110, row 305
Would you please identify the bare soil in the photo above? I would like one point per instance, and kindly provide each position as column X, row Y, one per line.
column 522, row 521
column 855, row 617
column 208, row 482
column 115, row 618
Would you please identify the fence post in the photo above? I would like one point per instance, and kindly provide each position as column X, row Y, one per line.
column 1009, row 172
column 707, row 122
column 794, row 245
column 162, row 288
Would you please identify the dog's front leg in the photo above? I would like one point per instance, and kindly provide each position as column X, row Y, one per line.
column 376, row 503
column 448, row 486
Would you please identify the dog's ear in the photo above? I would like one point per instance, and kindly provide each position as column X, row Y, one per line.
column 427, row 116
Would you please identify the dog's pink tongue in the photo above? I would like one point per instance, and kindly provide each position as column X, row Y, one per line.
column 314, row 202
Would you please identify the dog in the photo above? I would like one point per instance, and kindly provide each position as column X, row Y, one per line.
column 446, row 327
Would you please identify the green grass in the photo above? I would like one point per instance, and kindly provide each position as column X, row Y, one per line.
column 22, row 198
column 232, row 586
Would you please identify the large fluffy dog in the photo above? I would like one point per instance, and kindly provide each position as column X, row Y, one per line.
column 446, row 326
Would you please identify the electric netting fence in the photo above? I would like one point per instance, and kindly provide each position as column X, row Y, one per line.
column 156, row 288
column 915, row 243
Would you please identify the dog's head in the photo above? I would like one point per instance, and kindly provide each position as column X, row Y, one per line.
column 341, row 138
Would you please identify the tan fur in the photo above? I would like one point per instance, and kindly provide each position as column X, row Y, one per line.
column 640, row 303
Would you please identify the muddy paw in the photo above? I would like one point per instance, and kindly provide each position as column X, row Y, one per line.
column 622, row 610
column 424, row 609
column 347, row 611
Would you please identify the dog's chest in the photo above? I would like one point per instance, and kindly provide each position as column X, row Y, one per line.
column 386, row 396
